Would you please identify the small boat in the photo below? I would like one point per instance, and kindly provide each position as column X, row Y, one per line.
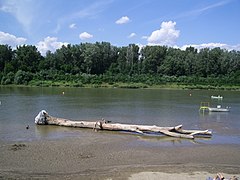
column 205, row 106
column 216, row 97
column 218, row 109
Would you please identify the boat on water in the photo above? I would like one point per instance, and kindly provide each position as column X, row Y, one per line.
column 218, row 109
column 205, row 106
column 216, row 97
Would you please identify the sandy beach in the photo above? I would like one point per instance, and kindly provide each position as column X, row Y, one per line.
column 104, row 155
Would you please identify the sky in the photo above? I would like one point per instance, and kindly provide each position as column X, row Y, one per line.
column 49, row 24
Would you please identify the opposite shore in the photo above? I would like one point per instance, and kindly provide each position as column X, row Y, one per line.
column 129, row 86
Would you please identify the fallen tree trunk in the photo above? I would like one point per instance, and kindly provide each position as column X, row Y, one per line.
column 43, row 118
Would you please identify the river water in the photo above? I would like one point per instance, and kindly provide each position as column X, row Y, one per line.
column 161, row 107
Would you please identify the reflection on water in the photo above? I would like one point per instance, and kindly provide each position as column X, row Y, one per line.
column 19, row 106
column 158, row 139
column 47, row 131
column 216, row 116
column 56, row 132
column 166, row 140
column 219, row 116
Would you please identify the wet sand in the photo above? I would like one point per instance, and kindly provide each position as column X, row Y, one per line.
column 115, row 156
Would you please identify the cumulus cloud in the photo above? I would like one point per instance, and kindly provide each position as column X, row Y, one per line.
column 49, row 44
column 73, row 26
column 132, row 35
column 123, row 20
column 166, row 35
column 11, row 40
column 85, row 35
column 213, row 45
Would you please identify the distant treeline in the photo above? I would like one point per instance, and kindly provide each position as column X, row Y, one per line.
column 100, row 62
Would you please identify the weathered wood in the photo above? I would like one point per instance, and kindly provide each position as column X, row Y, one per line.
column 192, row 132
column 43, row 118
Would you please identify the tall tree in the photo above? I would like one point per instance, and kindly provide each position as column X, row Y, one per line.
column 132, row 56
column 152, row 57
column 190, row 61
column 6, row 55
column 28, row 58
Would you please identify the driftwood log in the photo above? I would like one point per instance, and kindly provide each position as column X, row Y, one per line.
column 43, row 118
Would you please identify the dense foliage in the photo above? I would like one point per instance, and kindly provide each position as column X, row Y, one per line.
column 99, row 63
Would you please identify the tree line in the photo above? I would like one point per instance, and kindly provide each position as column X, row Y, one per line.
column 101, row 62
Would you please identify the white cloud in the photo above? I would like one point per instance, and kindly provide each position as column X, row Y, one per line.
column 206, row 8
column 22, row 10
column 166, row 35
column 144, row 37
column 73, row 26
column 49, row 43
column 85, row 35
column 198, row 12
column 123, row 20
column 90, row 11
column 11, row 40
column 132, row 35
column 213, row 45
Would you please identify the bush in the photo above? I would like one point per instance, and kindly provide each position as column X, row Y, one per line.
column 8, row 79
column 22, row 77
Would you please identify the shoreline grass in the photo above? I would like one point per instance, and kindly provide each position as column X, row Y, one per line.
column 127, row 85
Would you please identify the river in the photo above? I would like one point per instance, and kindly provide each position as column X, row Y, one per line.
column 162, row 107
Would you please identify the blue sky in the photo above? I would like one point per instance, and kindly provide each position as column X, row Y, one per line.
column 48, row 24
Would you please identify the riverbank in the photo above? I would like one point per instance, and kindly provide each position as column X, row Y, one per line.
column 129, row 85
column 114, row 156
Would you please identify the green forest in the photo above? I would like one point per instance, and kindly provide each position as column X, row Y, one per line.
column 101, row 64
